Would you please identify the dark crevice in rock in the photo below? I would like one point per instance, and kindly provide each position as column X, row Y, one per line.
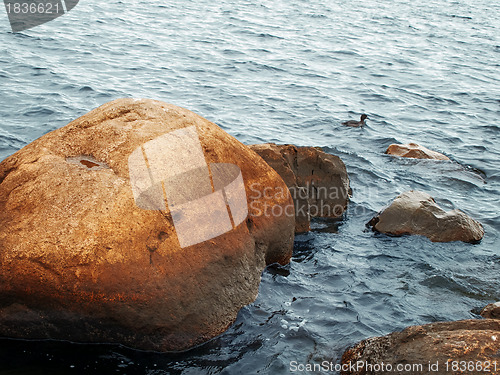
column 151, row 251
column 87, row 161
column 89, row 164
column 162, row 236
column 249, row 224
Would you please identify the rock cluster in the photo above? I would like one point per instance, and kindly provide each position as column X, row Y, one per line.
column 144, row 224
column 318, row 181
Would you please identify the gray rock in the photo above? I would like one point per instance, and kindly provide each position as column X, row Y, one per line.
column 415, row 212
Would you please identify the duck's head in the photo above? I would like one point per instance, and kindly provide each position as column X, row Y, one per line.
column 363, row 117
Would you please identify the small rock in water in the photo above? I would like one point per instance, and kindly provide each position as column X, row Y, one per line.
column 413, row 150
column 415, row 212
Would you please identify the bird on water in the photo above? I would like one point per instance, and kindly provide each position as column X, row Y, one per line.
column 356, row 124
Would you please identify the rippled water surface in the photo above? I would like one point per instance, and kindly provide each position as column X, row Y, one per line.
column 290, row 72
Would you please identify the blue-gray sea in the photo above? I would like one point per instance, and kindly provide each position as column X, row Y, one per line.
column 290, row 72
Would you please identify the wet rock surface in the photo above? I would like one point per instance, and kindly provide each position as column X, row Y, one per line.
column 492, row 311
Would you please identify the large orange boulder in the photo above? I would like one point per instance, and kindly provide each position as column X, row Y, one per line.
column 318, row 181
column 413, row 150
column 134, row 224
column 416, row 212
column 463, row 347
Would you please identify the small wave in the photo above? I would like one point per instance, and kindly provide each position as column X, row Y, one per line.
column 437, row 99
column 462, row 17
column 11, row 141
column 346, row 52
column 404, row 62
column 86, row 89
column 491, row 128
column 267, row 35
column 316, row 15
column 39, row 71
column 232, row 52
column 23, row 35
column 450, row 283
column 377, row 97
column 382, row 257
column 39, row 111
column 258, row 34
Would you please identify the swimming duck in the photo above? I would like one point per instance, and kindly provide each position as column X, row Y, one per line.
column 355, row 123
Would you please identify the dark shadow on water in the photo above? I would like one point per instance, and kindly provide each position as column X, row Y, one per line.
column 43, row 357
column 303, row 248
column 325, row 225
column 277, row 269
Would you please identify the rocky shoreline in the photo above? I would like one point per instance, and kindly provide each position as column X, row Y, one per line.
column 88, row 256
